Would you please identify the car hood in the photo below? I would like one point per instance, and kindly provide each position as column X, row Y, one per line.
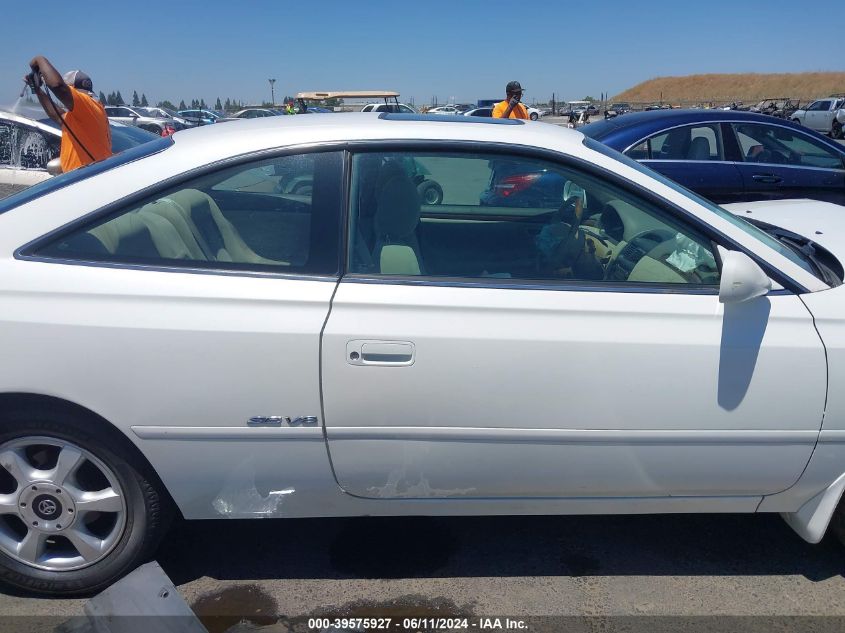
column 821, row 222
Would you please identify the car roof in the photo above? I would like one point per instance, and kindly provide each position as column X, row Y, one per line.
column 210, row 143
column 348, row 94
column 620, row 132
column 10, row 116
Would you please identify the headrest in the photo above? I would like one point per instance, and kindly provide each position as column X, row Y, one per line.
column 397, row 208
column 699, row 149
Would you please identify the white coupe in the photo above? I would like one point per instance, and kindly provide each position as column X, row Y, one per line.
column 263, row 320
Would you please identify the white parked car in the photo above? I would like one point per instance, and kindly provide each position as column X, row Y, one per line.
column 823, row 115
column 447, row 109
column 389, row 107
column 27, row 145
column 533, row 113
column 566, row 333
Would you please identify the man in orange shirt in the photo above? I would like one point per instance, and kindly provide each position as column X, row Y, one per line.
column 511, row 108
column 86, row 136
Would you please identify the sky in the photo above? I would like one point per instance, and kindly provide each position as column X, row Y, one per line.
column 460, row 50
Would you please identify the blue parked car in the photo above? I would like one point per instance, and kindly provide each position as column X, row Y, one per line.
column 730, row 156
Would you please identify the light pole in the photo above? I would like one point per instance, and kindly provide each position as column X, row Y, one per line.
column 272, row 91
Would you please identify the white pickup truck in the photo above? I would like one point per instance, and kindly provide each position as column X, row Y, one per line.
column 824, row 115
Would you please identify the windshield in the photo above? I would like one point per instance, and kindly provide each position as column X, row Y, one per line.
column 738, row 222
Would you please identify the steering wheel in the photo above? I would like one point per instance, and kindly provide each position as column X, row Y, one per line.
column 640, row 245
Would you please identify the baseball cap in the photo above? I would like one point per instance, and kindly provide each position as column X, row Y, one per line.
column 513, row 86
column 78, row 80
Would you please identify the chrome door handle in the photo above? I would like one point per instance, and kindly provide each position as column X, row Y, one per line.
column 767, row 178
column 384, row 353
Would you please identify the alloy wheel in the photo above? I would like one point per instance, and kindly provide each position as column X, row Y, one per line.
column 61, row 508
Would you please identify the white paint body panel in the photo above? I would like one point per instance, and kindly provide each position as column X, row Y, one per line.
column 555, row 393
column 143, row 348
column 179, row 361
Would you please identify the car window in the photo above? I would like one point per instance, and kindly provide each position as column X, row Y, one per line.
column 5, row 144
column 468, row 215
column 692, row 142
column 24, row 147
column 256, row 216
column 404, row 108
column 775, row 145
column 820, row 105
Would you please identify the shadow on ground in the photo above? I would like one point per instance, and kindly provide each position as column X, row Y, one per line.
column 422, row 547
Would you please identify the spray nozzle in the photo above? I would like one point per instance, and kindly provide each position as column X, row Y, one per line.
column 32, row 80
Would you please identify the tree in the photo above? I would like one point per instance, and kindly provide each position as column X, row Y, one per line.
column 588, row 99
column 103, row 98
column 112, row 99
column 218, row 105
column 144, row 102
column 169, row 105
column 135, row 100
column 182, row 105
column 119, row 98
column 228, row 106
column 202, row 104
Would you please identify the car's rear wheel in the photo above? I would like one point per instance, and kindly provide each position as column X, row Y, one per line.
column 76, row 512
column 533, row 116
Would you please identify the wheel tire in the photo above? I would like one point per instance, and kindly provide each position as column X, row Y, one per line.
column 146, row 511
column 798, row 121
column 430, row 192
column 836, row 129
column 534, row 116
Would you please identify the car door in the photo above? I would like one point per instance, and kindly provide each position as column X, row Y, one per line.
column 598, row 362
column 694, row 156
column 817, row 115
column 123, row 115
column 205, row 347
column 780, row 162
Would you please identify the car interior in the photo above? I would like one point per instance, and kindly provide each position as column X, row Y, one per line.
column 260, row 216
column 591, row 233
column 554, row 225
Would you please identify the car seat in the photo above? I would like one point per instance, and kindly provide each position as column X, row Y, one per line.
column 397, row 216
column 699, row 149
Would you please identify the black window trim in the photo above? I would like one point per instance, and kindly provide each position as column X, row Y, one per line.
column 27, row 252
column 670, row 208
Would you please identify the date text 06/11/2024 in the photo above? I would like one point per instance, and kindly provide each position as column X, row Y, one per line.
column 416, row 624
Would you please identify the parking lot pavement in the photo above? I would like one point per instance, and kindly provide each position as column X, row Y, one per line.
column 602, row 567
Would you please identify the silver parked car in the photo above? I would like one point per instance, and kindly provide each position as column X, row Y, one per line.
column 137, row 117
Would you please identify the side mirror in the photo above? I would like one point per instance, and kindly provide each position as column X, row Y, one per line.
column 54, row 167
column 742, row 278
